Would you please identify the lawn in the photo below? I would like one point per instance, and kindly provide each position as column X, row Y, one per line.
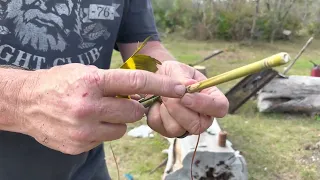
column 272, row 144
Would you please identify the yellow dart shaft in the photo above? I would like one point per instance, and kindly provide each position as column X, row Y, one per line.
column 269, row 62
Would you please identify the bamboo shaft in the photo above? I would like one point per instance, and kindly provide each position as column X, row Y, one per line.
column 269, row 62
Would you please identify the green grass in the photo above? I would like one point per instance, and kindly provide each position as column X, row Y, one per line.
column 272, row 144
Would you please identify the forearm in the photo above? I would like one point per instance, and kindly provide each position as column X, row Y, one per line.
column 153, row 48
column 14, row 88
column 158, row 51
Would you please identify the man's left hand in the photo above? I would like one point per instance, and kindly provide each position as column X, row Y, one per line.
column 176, row 116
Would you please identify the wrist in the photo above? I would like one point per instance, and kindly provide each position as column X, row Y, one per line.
column 16, row 87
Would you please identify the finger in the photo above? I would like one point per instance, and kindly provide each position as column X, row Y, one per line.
column 172, row 127
column 135, row 96
column 154, row 120
column 212, row 104
column 221, row 100
column 118, row 110
column 91, row 146
column 177, row 70
column 97, row 134
column 127, row 82
column 187, row 118
column 94, row 131
column 109, row 131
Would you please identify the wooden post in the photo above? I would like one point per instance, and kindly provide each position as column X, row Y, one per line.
column 222, row 139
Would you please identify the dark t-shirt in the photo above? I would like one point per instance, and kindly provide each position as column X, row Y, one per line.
column 39, row 34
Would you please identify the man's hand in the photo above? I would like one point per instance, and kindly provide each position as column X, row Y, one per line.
column 73, row 108
column 175, row 116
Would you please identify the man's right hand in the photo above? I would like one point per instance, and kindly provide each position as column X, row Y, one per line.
column 72, row 108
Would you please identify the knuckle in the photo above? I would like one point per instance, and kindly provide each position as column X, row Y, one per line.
column 174, row 130
column 194, row 127
column 71, row 150
column 81, row 109
column 165, row 85
column 172, row 106
column 138, row 112
column 80, row 134
column 168, row 65
column 107, row 110
column 92, row 76
column 153, row 117
column 206, row 122
column 121, row 132
column 224, row 108
column 91, row 67
column 203, row 103
column 132, row 111
column 137, row 80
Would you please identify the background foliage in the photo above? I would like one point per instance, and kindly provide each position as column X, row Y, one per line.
column 234, row 19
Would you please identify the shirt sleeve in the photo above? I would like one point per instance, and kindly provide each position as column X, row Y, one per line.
column 138, row 22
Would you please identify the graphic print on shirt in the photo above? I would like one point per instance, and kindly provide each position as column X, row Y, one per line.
column 51, row 26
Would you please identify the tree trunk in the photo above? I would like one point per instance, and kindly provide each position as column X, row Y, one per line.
column 306, row 12
column 268, row 4
column 211, row 160
column 280, row 15
column 275, row 20
column 255, row 17
column 284, row 17
column 296, row 94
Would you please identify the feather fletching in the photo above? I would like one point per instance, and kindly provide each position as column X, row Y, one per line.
column 141, row 62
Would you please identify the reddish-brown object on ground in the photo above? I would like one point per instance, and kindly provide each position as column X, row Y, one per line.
column 222, row 138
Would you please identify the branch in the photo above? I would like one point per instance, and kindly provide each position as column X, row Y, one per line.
column 298, row 55
column 287, row 11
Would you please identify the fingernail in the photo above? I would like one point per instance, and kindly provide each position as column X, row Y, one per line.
column 186, row 100
column 180, row 90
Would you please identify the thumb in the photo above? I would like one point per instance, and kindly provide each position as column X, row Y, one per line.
column 187, row 81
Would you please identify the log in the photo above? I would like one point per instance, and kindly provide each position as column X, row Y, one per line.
column 247, row 88
column 211, row 161
column 295, row 94
column 250, row 85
